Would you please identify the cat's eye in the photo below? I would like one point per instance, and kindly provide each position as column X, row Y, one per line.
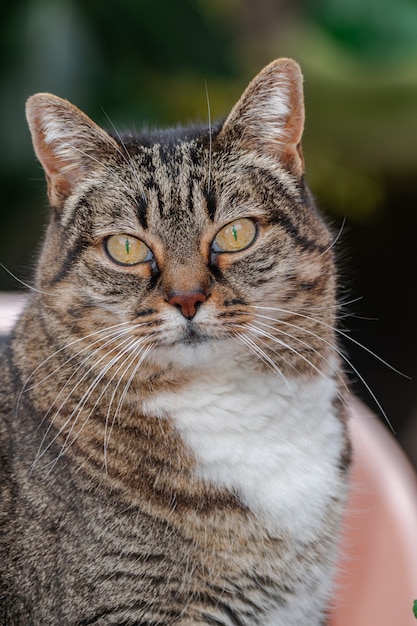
column 127, row 250
column 235, row 236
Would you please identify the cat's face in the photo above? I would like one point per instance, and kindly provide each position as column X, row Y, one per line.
column 193, row 243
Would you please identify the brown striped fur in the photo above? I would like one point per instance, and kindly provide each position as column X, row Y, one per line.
column 105, row 518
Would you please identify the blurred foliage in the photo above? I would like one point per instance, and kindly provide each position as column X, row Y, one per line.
column 146, row 62
column 373, row 30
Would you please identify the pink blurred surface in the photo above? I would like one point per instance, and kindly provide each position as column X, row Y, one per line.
column 378, row 572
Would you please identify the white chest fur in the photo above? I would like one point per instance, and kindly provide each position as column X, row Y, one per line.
column 275, row 443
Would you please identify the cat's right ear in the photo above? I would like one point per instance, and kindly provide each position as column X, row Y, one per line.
column 67, row 143
column 269, row 117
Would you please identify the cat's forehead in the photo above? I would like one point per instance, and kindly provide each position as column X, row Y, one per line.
column 182, row 188
column 202, row 179
column 172, row 186
column 171, row 165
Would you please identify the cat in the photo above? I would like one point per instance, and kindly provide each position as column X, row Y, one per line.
column 174, row 444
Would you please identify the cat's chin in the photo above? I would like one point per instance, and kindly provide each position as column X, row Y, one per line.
column 203, row 353
column 193, row 337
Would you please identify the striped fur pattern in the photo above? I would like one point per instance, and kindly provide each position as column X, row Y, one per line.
column 173, row 436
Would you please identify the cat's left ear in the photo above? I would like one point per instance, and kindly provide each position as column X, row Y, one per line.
column 67, row 143
column 269, row 117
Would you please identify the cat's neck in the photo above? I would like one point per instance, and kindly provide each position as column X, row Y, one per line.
column 271, row 440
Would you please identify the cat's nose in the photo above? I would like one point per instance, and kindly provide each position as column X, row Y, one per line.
column 187, row 302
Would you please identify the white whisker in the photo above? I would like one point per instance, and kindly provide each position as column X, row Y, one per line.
column 258, row 352
column 294, row 338
column 107, row 434
column 304, row 343
column 114, row 335
column 22, row 282
column 336, row 330
column 80, row 366
column 264, row 343
column 137, row 351
column 106, row 167
column 81, row 403
column 284, row 345
column 65, row 347
column 78, row 410
column 336, row 239
column 337, row 350
column 330, row 307
column 126, row 156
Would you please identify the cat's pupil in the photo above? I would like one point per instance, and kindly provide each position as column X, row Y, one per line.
column 236, row 236
column 126, row 249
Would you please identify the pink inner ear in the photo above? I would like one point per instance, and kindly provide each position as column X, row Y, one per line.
column 59, row 188
column 66, row 142
column 292, row 156
column 269, row 117
column 61, row 173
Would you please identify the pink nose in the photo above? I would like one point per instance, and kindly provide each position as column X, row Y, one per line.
column 187, row 302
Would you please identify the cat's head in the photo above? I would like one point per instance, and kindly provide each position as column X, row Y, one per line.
column 192, row 241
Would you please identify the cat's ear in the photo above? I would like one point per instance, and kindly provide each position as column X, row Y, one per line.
column 67, row 143
column 269, row 117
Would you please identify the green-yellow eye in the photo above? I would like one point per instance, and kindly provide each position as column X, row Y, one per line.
column 127, row 250
column 235, row 236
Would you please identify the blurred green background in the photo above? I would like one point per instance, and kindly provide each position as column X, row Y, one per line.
column 145, row 62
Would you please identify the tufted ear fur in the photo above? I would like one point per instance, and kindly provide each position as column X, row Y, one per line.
column 269, row 117
column 67, row 143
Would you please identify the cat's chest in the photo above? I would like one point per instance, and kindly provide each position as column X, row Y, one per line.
column 275, row 443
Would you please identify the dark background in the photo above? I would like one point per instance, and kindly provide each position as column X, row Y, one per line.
column 146, row 62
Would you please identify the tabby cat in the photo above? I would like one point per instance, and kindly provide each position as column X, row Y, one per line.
column 173, row 439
